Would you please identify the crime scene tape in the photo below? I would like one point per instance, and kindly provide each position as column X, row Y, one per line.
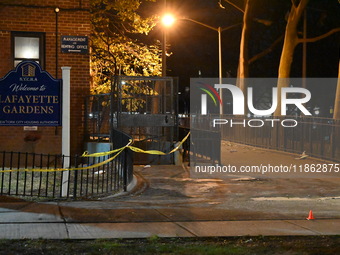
column 138, row 150
column 100, row 154
column 68, row 169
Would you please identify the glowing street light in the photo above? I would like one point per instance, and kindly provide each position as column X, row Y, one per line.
column 167, row 21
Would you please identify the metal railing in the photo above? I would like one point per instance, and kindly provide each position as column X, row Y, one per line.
column 98, row 121
column 143, row 107
column 318, row 137
column 202, row 146
column 39, row 175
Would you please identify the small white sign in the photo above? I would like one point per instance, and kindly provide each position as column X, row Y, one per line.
column 30, row 128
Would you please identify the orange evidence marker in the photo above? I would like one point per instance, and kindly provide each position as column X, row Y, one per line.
column 310, row 216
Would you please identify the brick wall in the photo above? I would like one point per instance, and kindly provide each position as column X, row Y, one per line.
column 39, row 16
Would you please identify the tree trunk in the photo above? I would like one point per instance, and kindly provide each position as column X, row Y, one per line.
column 290, row 42
column 243, row 64
column 243, row 70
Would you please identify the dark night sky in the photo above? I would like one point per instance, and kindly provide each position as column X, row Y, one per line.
column 195, row 47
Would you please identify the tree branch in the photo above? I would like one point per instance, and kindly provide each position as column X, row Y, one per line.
column 293, row 3
column 317, row 38
column 266, row 51
column 301, row 7
column 234, row 5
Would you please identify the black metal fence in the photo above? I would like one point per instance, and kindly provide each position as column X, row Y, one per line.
column 204, row 145
column 201, row 146
column 318, row 137
column 143, row 107
column 40, row 175
column 98, row 122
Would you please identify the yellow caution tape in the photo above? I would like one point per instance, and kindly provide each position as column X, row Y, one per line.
column 135, row 149
column 62, row 169
column 69, row 169
column 155, row 152
column 100, row 154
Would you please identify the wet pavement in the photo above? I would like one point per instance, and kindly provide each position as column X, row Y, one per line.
column 167, row 202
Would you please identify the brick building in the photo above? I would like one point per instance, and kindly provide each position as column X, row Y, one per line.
column 41, row 24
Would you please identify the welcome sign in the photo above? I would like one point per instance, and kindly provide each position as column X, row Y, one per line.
column 30, row 96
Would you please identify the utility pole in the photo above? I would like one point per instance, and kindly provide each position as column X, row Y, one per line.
column 336, row 114
column 304, row 51
column 164, row 45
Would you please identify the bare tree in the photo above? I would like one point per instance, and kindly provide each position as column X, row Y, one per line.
column 291, row 40
column 243, row 68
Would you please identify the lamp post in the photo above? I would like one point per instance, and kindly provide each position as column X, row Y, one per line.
column 219, row 30
column 167, row 21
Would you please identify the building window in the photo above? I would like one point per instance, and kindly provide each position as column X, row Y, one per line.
column 28, row 46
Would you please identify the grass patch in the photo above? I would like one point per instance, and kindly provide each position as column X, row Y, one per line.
column 179, row 246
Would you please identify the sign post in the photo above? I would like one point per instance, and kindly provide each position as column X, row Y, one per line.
column 66, row 74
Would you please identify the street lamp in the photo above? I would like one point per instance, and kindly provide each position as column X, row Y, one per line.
column 167, row 21
column 219, row 30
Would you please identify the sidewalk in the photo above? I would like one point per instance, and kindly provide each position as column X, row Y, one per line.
column 60, row 230
column 20, row 220
column 168, row 203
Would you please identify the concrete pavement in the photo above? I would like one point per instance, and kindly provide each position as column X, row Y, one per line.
column 168, row 203
column 20, row 219
column 62, row 230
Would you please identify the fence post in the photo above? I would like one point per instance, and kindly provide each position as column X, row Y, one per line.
column 322, row 145
column 75, row 185
column 66, row 73
column 332, row 141
column 125, row 170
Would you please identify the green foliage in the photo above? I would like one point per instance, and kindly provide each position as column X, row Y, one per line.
column 154, row 238
column 116, row 46
column 157, row 245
